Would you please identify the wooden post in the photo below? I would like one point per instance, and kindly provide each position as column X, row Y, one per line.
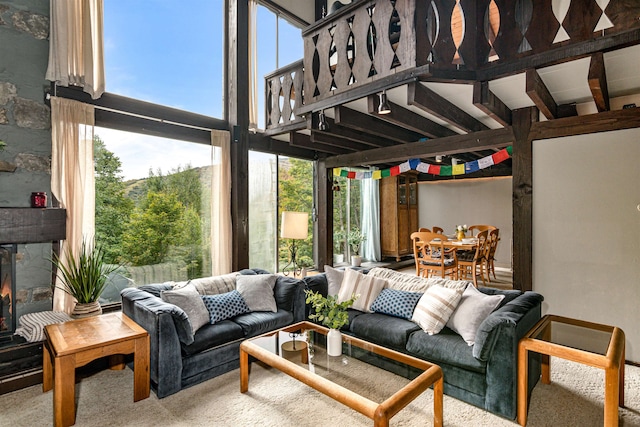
column 237, row 96
column 523, row 198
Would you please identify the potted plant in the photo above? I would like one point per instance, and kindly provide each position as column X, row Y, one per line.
column 355, row 239
column 332, row 314
column 84, row 277
column 338, row 246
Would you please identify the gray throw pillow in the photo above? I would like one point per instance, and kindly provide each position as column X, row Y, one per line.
column 189, row 300
column 334, row 279
column 257, row 291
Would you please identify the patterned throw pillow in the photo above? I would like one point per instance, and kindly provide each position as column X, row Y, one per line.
column 224, row 306
column 366, row 287
column 435, row 307
column 396, row 303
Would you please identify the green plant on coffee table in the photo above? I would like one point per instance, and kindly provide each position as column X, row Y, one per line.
column 328, row 311
column 83, row 275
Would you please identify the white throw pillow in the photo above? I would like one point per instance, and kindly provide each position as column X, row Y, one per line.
column 334, row 279
column 366, row 288
column 473, row 308
column 435, row 307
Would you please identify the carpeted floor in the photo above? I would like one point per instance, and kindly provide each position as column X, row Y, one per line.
column 575, row 398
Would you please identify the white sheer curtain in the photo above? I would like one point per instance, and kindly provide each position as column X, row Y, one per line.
column 72, row 177
column 253, row 65
column 76, row 55
column 221, row 234
column 371, row 219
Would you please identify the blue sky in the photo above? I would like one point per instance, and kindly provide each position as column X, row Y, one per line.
column 163, row 52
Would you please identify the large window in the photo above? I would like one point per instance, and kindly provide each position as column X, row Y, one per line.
column 277, row 184
column 153, row 198
column 166, row 52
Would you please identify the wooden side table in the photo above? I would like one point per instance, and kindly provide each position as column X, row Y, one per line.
column 75, row 343
column 592, row 344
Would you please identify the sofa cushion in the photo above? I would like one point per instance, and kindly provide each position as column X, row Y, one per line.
column 188, row 299
column 224, row 306
column 285, row 290
column 210, row 336
column 413, row 283
column 215, row 284
column 473, row 308
column 156, row 288
column 435, row 307
column 257, row 291
column 384, row 330
column 334, row 279
column 257, row 323
column 396, row 303
column 365, row 287
column 445, row 347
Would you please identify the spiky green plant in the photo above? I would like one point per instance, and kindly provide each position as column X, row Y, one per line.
column 84, row 276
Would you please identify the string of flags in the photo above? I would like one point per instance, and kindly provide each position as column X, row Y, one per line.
column 441, row 170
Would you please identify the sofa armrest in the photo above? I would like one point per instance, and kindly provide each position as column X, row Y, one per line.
column 497, row 343
column 157, row 318
column 511, row 314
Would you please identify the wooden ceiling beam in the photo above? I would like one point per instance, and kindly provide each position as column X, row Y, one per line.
column 301, row 140
column 427, row 100
column 336, row 141
column 477, row 141
column 408, row 119
column 362, row 122
column 540, row 95
column 598, row 82
column 334, row 129
column 490, row 104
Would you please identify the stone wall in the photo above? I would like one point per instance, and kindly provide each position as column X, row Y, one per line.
column 25, row 128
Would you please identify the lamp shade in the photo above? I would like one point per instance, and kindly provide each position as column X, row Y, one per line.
column 294, row 225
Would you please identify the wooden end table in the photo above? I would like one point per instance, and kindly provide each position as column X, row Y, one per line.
column 77, row 342
column 592, row 344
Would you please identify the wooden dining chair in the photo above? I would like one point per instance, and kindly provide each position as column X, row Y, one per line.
column 474, row 262
column 437, row 229
column 423, row 229
column 431, row 256
column 480, row 227
column 494, row 238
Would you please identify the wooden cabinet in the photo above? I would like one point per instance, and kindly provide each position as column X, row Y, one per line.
column 398, row 214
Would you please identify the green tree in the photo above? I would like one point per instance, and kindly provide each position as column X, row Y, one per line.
column 113, row 208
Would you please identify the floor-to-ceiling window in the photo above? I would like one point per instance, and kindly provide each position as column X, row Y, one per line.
column 153, row 194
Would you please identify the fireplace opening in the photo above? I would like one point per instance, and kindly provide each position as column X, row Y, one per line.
column 7, row 290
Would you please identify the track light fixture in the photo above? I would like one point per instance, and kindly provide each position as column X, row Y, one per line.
column 383, row 107
column 439, row 159
column 322, row 122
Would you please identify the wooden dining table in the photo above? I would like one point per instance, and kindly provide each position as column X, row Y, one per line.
column 458, row 244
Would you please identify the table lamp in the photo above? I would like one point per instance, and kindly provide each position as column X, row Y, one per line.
column 294, row 226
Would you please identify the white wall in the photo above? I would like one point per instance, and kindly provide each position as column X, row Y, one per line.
column 586, row 229
column 469, row 201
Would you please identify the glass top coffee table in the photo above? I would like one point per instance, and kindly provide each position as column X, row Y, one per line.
column 308, row 362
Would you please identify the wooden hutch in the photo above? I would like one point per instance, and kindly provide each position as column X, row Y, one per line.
column 398, row 214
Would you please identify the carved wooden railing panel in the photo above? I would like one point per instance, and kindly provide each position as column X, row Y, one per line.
column 284, row 94
column 370, row 40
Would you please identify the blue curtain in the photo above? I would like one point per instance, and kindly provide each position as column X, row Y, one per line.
column 371, row 219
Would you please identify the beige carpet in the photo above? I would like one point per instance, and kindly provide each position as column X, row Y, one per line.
column 106, row 399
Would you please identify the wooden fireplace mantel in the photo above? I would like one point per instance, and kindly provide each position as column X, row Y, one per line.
column 32, row 225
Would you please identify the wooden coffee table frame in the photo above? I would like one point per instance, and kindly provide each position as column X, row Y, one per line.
column 538, row 340
column 380, row 413
column 75, row 343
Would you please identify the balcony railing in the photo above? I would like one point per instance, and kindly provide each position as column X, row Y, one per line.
column 370, row 40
